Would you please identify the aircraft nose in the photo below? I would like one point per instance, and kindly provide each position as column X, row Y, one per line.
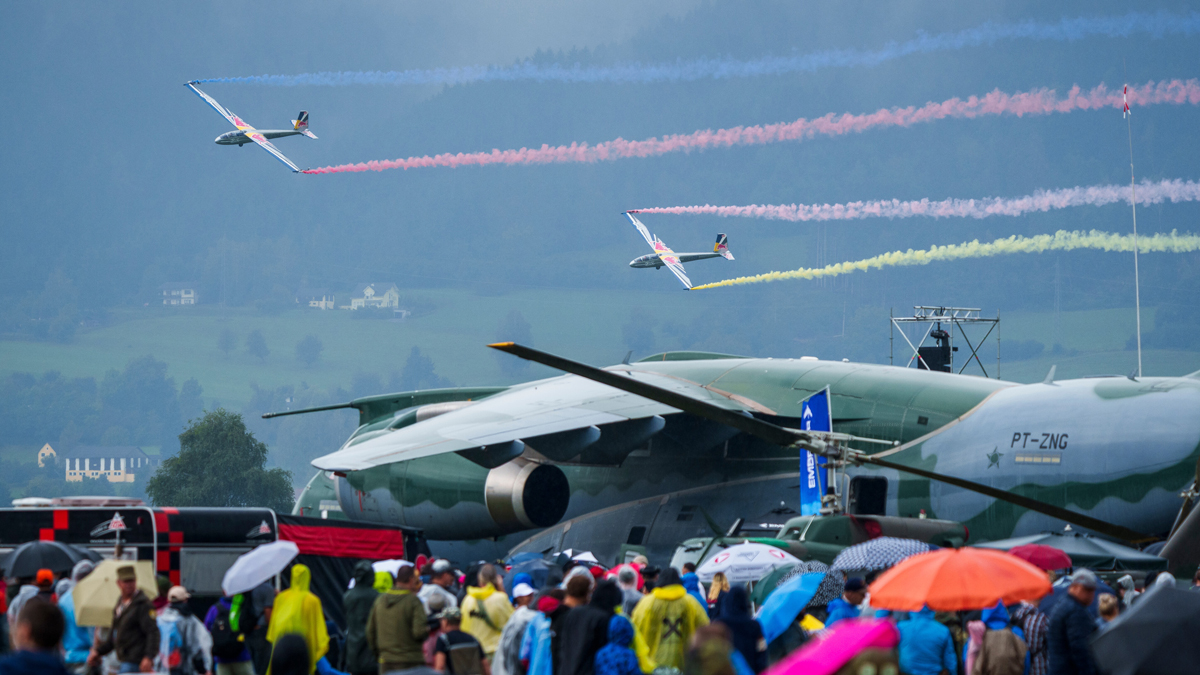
column 633, row 263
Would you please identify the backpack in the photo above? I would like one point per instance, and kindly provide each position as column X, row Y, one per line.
column 227, row 642
column 463, row 658
column 1002, row 653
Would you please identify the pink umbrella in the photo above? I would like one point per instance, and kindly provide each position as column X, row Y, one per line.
column 835, row 648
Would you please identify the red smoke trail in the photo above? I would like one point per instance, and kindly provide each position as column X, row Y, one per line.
column 1042, row 200
column 1037, row 102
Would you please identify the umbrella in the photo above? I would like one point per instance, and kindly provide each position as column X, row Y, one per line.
column 1156, row 635
column 840, row 644
column 878, row 554
column 745, row 562
column 87, row 553
column 953, row 580
column 786, row 603
column 258, row 565
column 581, row 556
column 391, row 566
column 831, row 587
column 1042, row 556
column 524, row 556
column 1088, row 551
column 537, row 568
column 96, row 594
column 26, row 559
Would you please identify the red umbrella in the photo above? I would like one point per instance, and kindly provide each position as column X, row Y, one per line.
column 1040, row 555
column 953, row 580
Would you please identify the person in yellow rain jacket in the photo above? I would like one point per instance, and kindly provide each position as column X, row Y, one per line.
column 666, row 618
column 485, row 610
column 298, row 611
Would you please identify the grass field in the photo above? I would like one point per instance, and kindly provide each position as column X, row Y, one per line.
column 583, row 324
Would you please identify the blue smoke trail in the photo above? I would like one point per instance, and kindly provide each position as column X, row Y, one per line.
column 1156, row 25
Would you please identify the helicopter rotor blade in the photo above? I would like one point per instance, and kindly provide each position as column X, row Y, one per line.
column 782, row 436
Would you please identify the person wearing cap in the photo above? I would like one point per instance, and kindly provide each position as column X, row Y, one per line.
column 846, row 607
column 508, row 655
column 186, row 646
column 1071, row 628
column 441, row 581
column 398, row 625
column 667, row 617
column 134, row 635
column 458, row 652
column 45, row 584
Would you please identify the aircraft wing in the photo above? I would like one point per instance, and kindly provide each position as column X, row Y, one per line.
column 640, row 228
column 524, row 412
column 676, row 267
column 270, row 147
column 225, row 112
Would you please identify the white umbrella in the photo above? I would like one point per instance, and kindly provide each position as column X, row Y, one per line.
column 745, row 562
column 390, row 566
column 258, row 565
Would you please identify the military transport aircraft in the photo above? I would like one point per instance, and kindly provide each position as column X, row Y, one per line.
column 1109, row 455
column 663, row 256
column 248, row 134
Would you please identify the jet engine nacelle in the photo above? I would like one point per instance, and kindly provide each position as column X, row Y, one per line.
column 452, row 498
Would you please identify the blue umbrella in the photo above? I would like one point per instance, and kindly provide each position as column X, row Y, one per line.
column 785, row 604
column 524, row 556
column 878, row 554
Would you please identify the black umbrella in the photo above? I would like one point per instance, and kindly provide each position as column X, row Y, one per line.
column 87, row 553
column 1156, row 635
column 537, row 569
column 28, row 558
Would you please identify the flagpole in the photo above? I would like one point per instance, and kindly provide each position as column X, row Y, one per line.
column 1137, row 292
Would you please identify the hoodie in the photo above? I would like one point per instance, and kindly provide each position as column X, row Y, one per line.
column 357, row 603
column 926, row 646
column 748, row 639
column 297, row 610
column 484, row 613
column 617, row 657
column 991, row 640
column 839, row 609
column 396, row 629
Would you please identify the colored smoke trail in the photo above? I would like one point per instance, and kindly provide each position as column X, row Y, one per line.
column 1156, row 25
column 1174, row 191
column 1059, row 241
column 1036, row 102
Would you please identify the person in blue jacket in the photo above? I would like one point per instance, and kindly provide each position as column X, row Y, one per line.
column 926, row 646
column 997, row 618
column 846, row 607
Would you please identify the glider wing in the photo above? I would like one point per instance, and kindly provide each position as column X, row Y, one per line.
column 270, row 147
column 225, row 112
column 640, row 228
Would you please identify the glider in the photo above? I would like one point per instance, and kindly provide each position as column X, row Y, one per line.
column 663, row 256
column 246, row 133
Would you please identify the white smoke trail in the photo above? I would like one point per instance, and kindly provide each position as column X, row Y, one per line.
column 1174, row 191
column 1059, row 241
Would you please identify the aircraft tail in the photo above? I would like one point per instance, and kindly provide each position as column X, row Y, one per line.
column 301, row 124
column 722, row 247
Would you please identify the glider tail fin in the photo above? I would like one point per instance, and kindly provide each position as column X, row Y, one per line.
column 722, row 247
column 301, row 124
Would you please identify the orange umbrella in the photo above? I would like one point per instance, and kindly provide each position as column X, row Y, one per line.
column 953, row 580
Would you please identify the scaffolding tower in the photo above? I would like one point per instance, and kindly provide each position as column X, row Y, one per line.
column 940, row 355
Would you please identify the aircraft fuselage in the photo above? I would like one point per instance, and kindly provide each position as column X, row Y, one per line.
column 238, row 137
column 652, row 259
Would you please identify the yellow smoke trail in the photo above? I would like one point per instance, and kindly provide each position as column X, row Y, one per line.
column 1059, row 241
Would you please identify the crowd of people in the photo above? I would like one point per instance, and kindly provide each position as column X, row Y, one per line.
column 428, row 618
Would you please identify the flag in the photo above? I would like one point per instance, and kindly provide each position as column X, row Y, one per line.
column 816, row 416
column 1125, row 98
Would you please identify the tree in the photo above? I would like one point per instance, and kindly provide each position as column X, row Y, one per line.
column 418, row 373
column 191, row 403
column 309, row 350
column 220, row 463
column 514, row 328
column 256, row 345
column 227, row 341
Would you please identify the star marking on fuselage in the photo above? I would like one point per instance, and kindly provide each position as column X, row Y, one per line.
column 994, row 458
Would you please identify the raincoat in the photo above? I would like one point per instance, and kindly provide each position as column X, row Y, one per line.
column 840, row 609
column 748, row 639
column 383, row 582
column 989, row 650
column 77, row 640
column 484, row 613
column 691, row 584
column 298, row 611
column 358, row 657
column 667, row 618
column 538, row 647
column 926, row 646
column 616, row 657
column 508, row 655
